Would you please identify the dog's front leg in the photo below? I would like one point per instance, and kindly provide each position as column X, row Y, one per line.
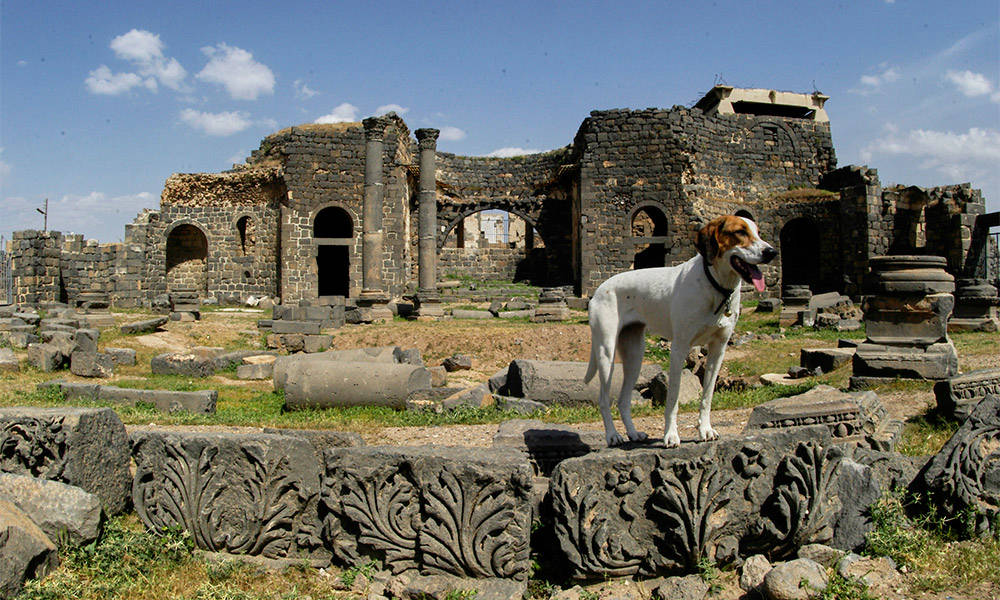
column 716, row 350
column 678, row 356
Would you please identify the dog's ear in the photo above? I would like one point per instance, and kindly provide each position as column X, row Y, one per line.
column 707, row 244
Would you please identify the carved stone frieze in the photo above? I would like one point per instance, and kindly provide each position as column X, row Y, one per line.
column 250, row 494
column 459, row 511
column 85, row 447
column 661, row 510
column 963, row 479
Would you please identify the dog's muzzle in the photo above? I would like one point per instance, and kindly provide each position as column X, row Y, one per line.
column 769, row 254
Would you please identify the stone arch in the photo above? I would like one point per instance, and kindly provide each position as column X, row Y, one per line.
column 510, row 248
column 333, row 234
column 451, row 215
column 799, row 251
column 649, row 232
column 187, row 257
column 766, row 128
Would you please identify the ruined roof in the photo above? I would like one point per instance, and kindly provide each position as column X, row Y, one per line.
column 728, row 100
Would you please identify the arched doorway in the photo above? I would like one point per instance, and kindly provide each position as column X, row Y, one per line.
column 649, row 237
column 187, row 256
column 333, row 231
column 493, row 244
column 799, row 253
column 746, row 215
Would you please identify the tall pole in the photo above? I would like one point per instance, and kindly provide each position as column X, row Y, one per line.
column 371, row 242
column 427, row 225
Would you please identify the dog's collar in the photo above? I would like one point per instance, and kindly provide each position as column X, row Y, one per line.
column 727, row 295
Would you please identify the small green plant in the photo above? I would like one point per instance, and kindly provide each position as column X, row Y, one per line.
column 350, row 575
column 841, row 588
column 589, row 595
column 462, row 595
column 709, row 573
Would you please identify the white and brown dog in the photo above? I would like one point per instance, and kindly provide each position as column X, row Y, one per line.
column 693, row 304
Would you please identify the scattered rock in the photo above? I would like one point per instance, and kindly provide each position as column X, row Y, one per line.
column 65, row 513
column 9, row 362
column 45, row 357
column 822, row 554
column 124, row 357
column 798, row 579
column 689, row 587
column 457, row 362
column 91, row 364
column 879, row 574
column 26, row 552
column 439, row 376
column 858, row 490
column 145, row 326
column 752, row 574
column 476, row 397
column 197, row 362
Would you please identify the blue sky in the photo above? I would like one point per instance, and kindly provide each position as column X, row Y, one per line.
column 101, row 101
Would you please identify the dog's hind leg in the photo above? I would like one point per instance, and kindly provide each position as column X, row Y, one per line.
column 716, row 350
column 678, row 354
column 602, row 351
column 631, row 347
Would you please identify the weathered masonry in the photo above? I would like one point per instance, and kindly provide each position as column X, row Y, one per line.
column 371, row 212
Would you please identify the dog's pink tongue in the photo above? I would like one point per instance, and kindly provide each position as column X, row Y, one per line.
column 757, row 277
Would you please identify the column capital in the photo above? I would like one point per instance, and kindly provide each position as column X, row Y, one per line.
column 427, row 138
column 375, row 128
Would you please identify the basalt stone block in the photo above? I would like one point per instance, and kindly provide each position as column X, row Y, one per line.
column 192, row 363
column 892, row 470
column 238, row 357
column 255, row 371
column 461, row 313
column 937, row 361
column 653, row 510
column 86, row 340
column 958, row 395
column 324, row 384
column 459, row 511
column 250, row 494
column 859, row 490
column 850, row 417
column 169, row 401
column 457, row 362
column 562, row 381
column 28, row 317
column 64, row 512
column 85, row 447
column 91, row 364
column 547, row 444
column 918, row 320
column 121, row 356
column 145, row 326
column 768, row 305
column 303, row 327
column 826, row 359
column 384, row 354
column 312, row 344
column 25, row 551
column 963, row 477
column 289, row 342
column 45, row 357
column 409, row 356
column 8, row 361
column 21, row 340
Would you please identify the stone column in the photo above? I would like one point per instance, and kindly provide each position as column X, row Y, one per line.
column 427, row 254
column 371, row 243
column 428, row 304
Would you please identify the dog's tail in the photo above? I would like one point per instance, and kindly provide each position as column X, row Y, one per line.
column 592, row 367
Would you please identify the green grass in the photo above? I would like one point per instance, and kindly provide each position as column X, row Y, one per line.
column 925, row 434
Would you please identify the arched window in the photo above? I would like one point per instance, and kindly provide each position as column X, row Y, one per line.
column 649, row 237
column 746, row 215
column 333, row 222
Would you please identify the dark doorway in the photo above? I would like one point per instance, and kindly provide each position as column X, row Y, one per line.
column 649, row 236
column 799, row 253
column 333, row 230
column 334, row 268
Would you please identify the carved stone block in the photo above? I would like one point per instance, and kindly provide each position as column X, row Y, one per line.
column 253, row 494
column 965, row 474
column 459, row 511
column 85, row 447
column 657, row 510
column 960, row 394
column 855, row 417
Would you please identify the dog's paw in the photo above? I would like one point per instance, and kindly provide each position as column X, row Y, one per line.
column 672, row 439
column 638, row 437
column 614, row 439
column 707, row 433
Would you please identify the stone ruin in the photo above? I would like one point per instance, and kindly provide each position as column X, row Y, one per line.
column 370, row 213
column 321, row 496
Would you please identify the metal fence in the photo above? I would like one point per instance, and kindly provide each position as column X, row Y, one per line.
column 6, row 277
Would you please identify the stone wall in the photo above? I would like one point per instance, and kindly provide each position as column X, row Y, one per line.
column 692, row 168
column 35, row 266
column 87, row 266
column 497, row 264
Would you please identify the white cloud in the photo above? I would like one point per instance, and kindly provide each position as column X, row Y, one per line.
column 236, row 70
column 451, row 134
column 103, row 81
column 969, row 83
column 388, row 108
column 509, row 151
column 303, row 91
column 5, row 169
column 963, row 156
column 344, row 113
column 216, row 124
column 22, row 63
column 873, row 82
column 145, row 50
column 95, row 215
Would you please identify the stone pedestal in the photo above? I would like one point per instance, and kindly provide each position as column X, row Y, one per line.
column 976, row 304
column 551, row 306
column 907, row 321
column 428, row 305
column 375, row 306
column 794, row 298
